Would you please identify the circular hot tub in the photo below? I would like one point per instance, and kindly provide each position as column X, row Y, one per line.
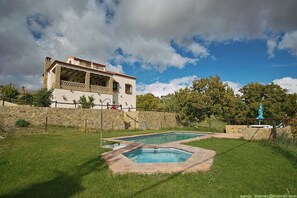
column 158, row 155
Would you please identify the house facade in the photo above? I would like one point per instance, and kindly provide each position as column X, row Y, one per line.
column 77, row 77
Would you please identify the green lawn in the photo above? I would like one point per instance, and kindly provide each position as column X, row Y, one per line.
column 69, row 164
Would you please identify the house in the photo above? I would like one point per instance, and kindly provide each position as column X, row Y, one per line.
column 77, row 77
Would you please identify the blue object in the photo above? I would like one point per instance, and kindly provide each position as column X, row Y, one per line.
column 260, row 112
column 162, row 138
column 159, row 155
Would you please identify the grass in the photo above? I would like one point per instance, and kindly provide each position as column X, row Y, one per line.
column 68, row 163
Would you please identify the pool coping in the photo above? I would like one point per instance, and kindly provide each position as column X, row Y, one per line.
column 201, row 159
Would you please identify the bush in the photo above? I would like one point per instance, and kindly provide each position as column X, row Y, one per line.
column 86, row 103
column 42, row 98
column 10, row 92
column 22, row 123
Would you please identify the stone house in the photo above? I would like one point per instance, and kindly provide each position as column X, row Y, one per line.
column 77, row 77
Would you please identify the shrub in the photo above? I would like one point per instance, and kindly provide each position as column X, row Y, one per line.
column 86, row 103
column 42, row 98
column 21, row 123
column 293, row 124
column 10, row 92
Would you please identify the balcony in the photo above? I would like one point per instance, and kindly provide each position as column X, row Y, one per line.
column 73, row 85
column 100, row 89
column 82, row 87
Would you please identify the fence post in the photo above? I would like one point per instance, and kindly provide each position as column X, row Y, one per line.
column 56, row 102
column 45, row 123
column 3, row 102
column 86, row 123
column 274, row 131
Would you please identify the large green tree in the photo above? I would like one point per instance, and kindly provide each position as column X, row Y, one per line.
column 273, row 98
column 147, row 102
column 290, row 105
column 218, row 99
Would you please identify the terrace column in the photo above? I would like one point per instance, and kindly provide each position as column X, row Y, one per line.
column 57, row 77
column 87, row 81
column 110, row 85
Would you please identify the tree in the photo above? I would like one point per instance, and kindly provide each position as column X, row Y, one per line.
column 27, row 98
column 218, row 99
column 86, row 103
column 169, row 103
column 10, row 92
column 290, row 105
column 252, row 94
column 147, row 102
column 273, row 97
column 191, row 105
column 42, row 98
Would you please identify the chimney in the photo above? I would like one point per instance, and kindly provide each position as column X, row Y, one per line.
column 47, row 63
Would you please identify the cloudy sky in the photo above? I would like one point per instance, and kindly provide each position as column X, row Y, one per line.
column 166, row 44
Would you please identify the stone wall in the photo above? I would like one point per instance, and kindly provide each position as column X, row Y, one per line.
column 157, row 120
column 250, row 133
column 112, row 119
column 235, row 128
column 256, row 133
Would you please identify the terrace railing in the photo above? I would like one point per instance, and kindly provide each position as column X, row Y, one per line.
column 72, row 85
column 100, row 89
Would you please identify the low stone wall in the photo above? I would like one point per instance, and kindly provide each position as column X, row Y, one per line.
column 250, row 133
column 256, row 133
column 235, row 128
column 112, row 119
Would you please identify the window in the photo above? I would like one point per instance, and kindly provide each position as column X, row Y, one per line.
column 128, row 89
column 115, row 86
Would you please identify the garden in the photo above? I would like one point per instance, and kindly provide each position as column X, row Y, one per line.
column 65, row 162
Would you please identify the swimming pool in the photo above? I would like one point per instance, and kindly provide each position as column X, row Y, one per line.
column 158, row 155
column 163, row 138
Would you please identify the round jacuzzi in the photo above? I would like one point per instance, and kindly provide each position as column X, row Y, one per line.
column 158, row 155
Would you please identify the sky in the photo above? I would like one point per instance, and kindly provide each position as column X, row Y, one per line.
column 166, row 44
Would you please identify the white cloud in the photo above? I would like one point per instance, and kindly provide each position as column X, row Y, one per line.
column 115, row 68
column 271, row 46
column 155, row 54
column 161, row 89
column 289, row 42
column 287, row 83
column 199, row 50
column 143, row 29
column 235, row 86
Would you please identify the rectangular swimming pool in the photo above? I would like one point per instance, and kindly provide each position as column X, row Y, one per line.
column 163, row 138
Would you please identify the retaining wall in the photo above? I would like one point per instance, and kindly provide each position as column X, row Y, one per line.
column 235, row 128
column 112, row 119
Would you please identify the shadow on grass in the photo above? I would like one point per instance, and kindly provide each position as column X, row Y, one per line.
column 63, row 184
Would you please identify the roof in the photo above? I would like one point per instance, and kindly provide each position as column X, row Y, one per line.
column 87, row 68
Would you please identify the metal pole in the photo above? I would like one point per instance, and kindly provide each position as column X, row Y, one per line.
column 102, row 119
column 101, row 125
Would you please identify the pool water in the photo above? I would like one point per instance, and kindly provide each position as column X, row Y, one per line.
column 163, row 138
column 159, row 155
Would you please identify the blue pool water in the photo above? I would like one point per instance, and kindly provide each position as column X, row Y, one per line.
column 162, row 138
column 160, row 155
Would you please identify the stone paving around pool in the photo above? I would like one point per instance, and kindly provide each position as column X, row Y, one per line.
column 201, row 159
